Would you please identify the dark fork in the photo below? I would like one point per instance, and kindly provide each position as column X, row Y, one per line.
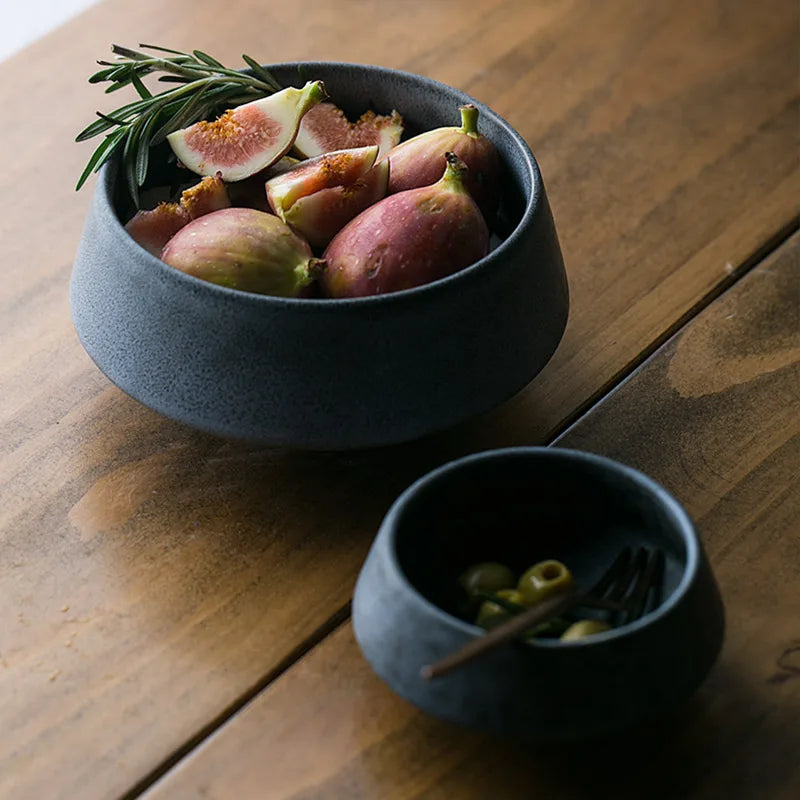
column 623, row 590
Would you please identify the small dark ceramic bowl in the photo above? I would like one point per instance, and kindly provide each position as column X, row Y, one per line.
column 519, row 506
column 331, row 373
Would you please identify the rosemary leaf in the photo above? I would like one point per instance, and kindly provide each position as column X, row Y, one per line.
column 163, row 49
column 98, row 127
column 207, row 59
column 260, row 72
column 95, row 129
column 101, row 154
column 128, row 53
column 144, row 92
column 201, row 86
column 110, row 120
column 143, row 151
column 181, row 118
column 103, row 75
column 129, row 153
column 115, row 87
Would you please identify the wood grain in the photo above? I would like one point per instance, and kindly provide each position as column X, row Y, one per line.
column 151, row 576
column 714, row 416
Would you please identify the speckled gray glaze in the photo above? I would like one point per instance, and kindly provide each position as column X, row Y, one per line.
column 330, row 374
column 519, row 506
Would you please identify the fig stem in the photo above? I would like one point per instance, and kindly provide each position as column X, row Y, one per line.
column 315, row 92
column 469, row 120
column 315, row 267
column 454, row 173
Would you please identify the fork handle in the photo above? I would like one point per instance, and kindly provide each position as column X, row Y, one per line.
column 541, row 612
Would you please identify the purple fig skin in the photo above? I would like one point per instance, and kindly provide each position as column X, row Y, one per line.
column 244, row 249
column 420, row 161
column 407, row 239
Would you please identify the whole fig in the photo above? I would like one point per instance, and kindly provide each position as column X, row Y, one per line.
column 245, row 249
column 408, row 239
column 419, row 161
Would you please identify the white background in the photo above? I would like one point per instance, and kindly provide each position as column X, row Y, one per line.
column 23, row 21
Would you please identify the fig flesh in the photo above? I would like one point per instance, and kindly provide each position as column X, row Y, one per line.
column 419, row 161
column 244, row 249
column 153, row 228
column 325, row 128
column 248, row 138
column 210, row 194
column 408, row 239
column 318, row 197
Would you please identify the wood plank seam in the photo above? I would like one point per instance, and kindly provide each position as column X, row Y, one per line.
column 342, row 615
column 770, row 246
column 333, row 623
column 748, row 503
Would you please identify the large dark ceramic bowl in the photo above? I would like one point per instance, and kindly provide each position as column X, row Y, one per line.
column 520, row 506
column 331, row 373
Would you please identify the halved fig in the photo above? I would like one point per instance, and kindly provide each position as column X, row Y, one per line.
column 325, row 128
column 152, row 229
column 250, row 193
column 318, row 197
column 204, row 197
column 248, row 138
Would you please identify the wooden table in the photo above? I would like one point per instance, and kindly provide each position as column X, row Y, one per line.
column 175, row 607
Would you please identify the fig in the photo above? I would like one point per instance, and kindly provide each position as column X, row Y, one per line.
column 204, row 197
column 244, row 249
column 153, row 228
column 248, row 138
column 419, row 161
column 318, row 197
column 408, row 239
column 325, row 128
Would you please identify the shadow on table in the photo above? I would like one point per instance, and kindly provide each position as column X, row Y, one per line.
column 718, row 744
column 194, row 529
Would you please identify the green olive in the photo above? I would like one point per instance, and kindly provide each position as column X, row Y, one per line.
column 490, row 614
column 583, row 628
column 552, row 629
column 487, row 577
column 542, row 580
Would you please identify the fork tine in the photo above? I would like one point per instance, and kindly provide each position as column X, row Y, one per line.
column 657, row 594
column 596, row 596
column 647, row 578
column 609, row 577
column 624, row 582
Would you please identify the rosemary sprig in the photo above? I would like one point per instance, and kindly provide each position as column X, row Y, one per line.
column 205, row 86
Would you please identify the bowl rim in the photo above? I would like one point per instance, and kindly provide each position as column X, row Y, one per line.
column 389, row 528
column 105, row 188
